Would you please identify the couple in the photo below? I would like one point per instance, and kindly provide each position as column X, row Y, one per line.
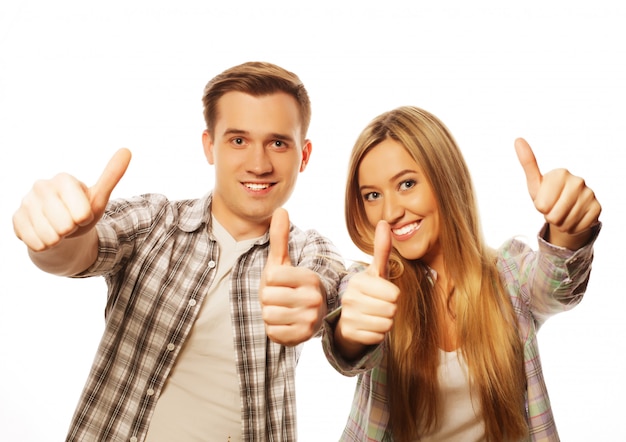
column 209, row 298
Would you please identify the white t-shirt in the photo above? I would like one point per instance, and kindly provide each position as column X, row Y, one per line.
column 201, row 399
column 461, row 420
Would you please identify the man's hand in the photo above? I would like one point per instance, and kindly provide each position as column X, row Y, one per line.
column 64, row 207
column 567, row 204
column 293, row 300
column 369, row 302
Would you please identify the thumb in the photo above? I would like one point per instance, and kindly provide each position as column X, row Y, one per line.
column 528, row 161
column 279, row 238
column 113, row 172
column 382, row 250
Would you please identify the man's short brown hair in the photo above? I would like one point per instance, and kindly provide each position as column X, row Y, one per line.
column 256, row 79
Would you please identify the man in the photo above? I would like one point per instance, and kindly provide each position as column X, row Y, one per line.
column 196, row 287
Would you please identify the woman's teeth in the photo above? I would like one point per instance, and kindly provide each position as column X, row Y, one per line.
column 406, row 229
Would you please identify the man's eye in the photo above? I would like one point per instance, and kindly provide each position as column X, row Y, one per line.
column 279, row 145
column 238, row 141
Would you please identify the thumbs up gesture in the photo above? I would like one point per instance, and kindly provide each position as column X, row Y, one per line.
column 64, row 207
column 369, row 302
column 293, row 300
column 567, row 204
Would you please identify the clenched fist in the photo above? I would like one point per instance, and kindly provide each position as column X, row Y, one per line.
column 567, row 204
column 369, row 302
column 293, row 300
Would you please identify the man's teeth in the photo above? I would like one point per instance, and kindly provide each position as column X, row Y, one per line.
column 405, row 229
column 254, row 186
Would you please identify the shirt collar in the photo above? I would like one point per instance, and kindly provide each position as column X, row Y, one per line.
column 198, row 214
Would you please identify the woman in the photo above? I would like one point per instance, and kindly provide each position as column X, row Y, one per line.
column 440, row 328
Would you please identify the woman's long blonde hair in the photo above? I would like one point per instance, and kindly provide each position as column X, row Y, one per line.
column 485, row 321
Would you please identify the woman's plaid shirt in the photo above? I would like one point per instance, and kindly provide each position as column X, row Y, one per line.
column 540, row 284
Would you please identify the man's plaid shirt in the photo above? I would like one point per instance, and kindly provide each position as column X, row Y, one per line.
column 158, row 258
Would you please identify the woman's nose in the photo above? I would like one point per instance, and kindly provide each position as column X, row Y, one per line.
column 392, row 209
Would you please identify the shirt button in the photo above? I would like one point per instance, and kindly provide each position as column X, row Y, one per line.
column 212, row 264
column 133, row 439
column 192, row 302
column 171, row 346
column 150, row 392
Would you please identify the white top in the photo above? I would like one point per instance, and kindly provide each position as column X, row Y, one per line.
column 201, row 399
column 461, row 418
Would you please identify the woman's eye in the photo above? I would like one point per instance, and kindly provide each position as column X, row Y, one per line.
column 407, row 184
column 371, row 196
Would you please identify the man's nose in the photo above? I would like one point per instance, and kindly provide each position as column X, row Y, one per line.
column 258, row 161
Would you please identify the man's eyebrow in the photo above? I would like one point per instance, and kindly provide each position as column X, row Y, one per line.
column 234, row 131
column 282, row 137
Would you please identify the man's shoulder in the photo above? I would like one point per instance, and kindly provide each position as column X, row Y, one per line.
column 311, row 241
column 298, row 234
column 190, row 212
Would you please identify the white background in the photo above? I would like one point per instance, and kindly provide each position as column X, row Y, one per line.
column 80, row 79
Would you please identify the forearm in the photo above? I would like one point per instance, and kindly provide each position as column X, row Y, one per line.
column 70, row 257
column 348, row 349
column 569, row 241
column 559, row 275
column 370, row 356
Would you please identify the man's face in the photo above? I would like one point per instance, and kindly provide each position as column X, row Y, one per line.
column 257, row 149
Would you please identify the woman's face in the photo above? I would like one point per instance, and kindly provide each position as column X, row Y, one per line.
column 394, row 188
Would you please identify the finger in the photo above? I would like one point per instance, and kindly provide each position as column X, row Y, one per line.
column 45, row 233
column 368, row 306
column 112, row 174
column 366, row 337
column 287, row 335
column 372, row 324
column 26, row 231
column 67, row 211
column 574, row 215
column 382, row 250
column 71, row 199
column 279, row 238
column 277, row 315
column 279, row 275
column 278, row 296
column 528, row 161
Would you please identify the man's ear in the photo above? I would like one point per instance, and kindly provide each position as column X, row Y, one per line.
column 207, row 143
column 306, row 154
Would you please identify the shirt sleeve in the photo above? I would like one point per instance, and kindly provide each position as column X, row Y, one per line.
column 320, row 255
column 120, row 231
column 374, row 355
column 550, row 280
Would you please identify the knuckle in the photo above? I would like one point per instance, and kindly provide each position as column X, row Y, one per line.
column 393, row 308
